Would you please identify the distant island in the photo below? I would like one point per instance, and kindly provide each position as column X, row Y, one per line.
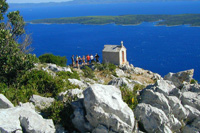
column 169, row 20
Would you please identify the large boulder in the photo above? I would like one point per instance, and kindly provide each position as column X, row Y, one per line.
column 191, row 98
column 21, row 119
column 163, row 86
column 4, row 102
column 155, row 99
column 79, row 121
column 192, row 113
column 41, row 102
column 104, row 106
column 152, row 119
column 177, row 108
column 180, row 77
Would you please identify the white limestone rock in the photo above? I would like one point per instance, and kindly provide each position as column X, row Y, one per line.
column 120, row 72
column 18, row 118
column 102, row 129
column 191, row 87
column 4, row 102
column 163, row 86
column 119, row 82
column 138, row 71
column 104, row 106
column 177, row 108
column 63, row 96
column 156, row 76
column 194, row 127
column 180, row 77
column 55, row 68
column 192, row 113
column 41, row 102
column 79, row 121
column 152, row 119
column 81, row 84
column 174, row 124
column 191, row 99
column 34, row 123
column 27, row 105
column 155, row 99
column 9, row 121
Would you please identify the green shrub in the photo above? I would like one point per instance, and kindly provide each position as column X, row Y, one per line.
column 13, row 62
column 87, row 72
column 16, row 95
column 193, row 81
column 50, row 58
column 107, row 68
column 67, row 75
column 43, row 82
column 130, row 96
column 60, row 113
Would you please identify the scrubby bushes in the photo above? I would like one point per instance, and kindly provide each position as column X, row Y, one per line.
column 107, row 68
column 87, row 72
column 60, row 113
column 66, row 75
column 50, row 58
column 43, row 82
column 130, row 96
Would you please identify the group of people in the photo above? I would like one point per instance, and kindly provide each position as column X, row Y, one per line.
column 85, row 60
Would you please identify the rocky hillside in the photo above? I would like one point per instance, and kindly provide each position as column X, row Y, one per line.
column 107, row 99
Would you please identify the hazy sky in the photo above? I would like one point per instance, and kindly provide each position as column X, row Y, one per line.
column 34, row 1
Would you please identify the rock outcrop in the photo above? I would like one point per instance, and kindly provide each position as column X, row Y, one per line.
column 119, row 82
column 4, row 102
column 41, row 102
column 105, row 111
column 71, row 93
column 24, row 119
column 79, row 83
column 170, row 105
column 180, row 77
column 55, row 68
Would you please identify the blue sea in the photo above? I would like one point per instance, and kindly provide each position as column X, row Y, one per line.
column 160, row 49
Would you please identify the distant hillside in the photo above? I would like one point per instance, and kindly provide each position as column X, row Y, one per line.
column 169, row 20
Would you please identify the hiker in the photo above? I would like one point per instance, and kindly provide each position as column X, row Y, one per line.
column 80, row 60
column 76, row 60
column 88, row 59
column 83, row 59
column 72, row 60
column 92, row 58
column 97, row 57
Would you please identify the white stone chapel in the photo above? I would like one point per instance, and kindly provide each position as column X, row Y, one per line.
column 115, row 54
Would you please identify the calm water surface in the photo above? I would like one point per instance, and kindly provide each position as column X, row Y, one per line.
column 160, row 49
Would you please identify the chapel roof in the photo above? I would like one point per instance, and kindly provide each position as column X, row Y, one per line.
column 112, row 48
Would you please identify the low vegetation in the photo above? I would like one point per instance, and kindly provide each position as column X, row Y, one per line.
column 50, row 58
column 169, row 20
column 88, row 72
column 107, row 69
column 130, row 96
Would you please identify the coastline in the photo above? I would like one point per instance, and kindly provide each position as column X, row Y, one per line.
column 187, row 25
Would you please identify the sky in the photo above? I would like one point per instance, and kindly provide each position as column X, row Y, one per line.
column 35, row 1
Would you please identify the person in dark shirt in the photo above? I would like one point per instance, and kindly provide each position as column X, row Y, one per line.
column 97, row 57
